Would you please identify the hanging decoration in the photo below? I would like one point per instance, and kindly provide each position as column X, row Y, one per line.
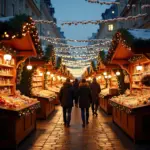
column 7, row 49
column 77, row 56
column 145, row 6
column 102, row 2
column 71, row 40
column 18, row 27
column 105, row 21
column 135, row 58
column 45, row 21
column 106, row 43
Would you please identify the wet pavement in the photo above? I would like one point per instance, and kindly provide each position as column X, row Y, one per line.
column 100, row 134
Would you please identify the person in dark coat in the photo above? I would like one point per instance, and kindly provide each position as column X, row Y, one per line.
column 95, row 89
column 75, row 88
column 84, row 96
column 66, row 100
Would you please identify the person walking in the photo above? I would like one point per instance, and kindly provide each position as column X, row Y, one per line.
column 75, row 88
column 95, row 89
column 84, row 96
column 66, row 100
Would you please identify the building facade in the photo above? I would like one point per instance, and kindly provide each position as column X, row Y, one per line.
column 37, row 9
column 133, row 8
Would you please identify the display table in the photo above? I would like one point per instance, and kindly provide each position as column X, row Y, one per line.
column 105, row 96
column 133, row 121
column 47, row 107
column 16, row 124
column 104, row 103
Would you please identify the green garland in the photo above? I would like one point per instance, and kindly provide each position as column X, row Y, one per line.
column 25, row 85
column 17, row 27
column 7, row 49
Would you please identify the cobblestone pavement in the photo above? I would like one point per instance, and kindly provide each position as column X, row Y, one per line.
column 99, row 134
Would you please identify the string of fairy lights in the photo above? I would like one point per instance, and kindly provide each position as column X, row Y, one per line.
column 97, row 22
column 91, row 50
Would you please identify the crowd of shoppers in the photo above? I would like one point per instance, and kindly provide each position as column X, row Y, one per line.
column 84, row 94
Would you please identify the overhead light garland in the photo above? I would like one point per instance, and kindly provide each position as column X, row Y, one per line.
column 106, row 43
column 102, row 2
column 145, row 6
column 71, row 40
column 75, row 56
column 45, row 21
column 104, row 21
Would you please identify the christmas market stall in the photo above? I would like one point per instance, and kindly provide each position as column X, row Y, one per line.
column 131, row 109
column 109, row 76
column 18, row 40
column 33, row 84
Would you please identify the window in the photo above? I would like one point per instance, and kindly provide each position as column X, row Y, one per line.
column 110, row 27
column 3, row 7
column 13, row 9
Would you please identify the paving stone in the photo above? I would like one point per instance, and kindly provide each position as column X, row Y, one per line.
column 99, row 134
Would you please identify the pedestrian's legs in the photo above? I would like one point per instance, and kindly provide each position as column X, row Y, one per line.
column 76, row 101
column 64, row 115
column 96, row 108
column 93, row 108
column 87, row 115
column 69, row 116
column 83, row 116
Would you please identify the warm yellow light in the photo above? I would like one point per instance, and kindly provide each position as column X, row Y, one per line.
column 52, row 75
column 106, row 77
column 41, row 74
column 109, row 76
column 105, row 73
column 48, row 73
column 139, row 67
column 29, row 67
column 7, row 57
column 118, row 73
column 54, row 79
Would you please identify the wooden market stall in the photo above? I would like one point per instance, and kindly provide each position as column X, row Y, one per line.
column 33, row 84
column 17, row 112
column 131, row 111
column 109, row 77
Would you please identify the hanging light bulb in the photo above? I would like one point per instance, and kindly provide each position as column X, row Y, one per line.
column 7, row 57
column 105, row 73
column 41, row 74
column 48, row 73
column 118, row 73
column 109, row 76
column 139, row 67
column 106, row 77
column 29, row 66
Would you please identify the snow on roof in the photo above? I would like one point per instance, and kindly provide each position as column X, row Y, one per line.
column 3, row 19
column 140, row 33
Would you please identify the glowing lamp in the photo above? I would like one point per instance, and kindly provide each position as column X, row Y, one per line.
column 52, row 75
column 109, row 76
column 7, row 57
column 105, row 73
column 118, row 73
column 41, row 74
column 29, row 67
column 48, row 73
column 106, row 77
column 139, row 68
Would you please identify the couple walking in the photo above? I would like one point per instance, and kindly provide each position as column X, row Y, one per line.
column 85, row 95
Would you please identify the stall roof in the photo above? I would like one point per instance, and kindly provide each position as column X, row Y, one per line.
column 19, row 32
column 127, row 43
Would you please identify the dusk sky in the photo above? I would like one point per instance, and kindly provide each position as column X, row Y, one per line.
column 77, row 10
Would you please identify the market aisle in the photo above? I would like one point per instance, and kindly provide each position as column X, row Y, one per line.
column 100, row 134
